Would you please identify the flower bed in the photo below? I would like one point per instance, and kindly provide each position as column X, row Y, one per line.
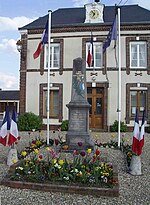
column 97, row 191
column 82, row 170
column 124, row 147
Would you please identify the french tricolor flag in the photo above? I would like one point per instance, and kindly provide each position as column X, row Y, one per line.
column 142, row 131
column 43, row 41
column 138, row 137
column 13, row 134
column 5, row 127
column 90, row 57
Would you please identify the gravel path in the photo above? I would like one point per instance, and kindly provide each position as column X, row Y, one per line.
column 134, row 190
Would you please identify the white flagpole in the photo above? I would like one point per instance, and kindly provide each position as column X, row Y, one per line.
column 48, row 73
column 119, row 77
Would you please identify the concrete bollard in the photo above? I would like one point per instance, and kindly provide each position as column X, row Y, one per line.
column 12, row 156
column 135, row 165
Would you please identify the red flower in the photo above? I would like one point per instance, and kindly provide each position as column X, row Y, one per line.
column 98, row 157
column 97, row 152
column 36, row 161
column 19, row 137
column 40, row 157
column 56, row 142
column 94, row 158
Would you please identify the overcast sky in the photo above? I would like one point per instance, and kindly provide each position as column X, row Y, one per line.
column 17, row 13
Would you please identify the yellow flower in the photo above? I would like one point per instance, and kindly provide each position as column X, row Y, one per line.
column 26, row 163
column 83, row 166
column 33, row 145
column 89, row 150
column 61, row 162
column 79, row 174
column 14, row 161
column 41, row 133
column 112, row 135
column 55, row 160
column 47, row 148
column 38, row 142
column 105, row 174
column 24, row 153
column 31, row 163
column 88, row 173
column 36, row 151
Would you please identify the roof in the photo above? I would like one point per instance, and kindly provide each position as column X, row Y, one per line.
column 9, row 94
column 130, row 14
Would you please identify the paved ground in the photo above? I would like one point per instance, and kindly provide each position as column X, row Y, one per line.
column 134, row 190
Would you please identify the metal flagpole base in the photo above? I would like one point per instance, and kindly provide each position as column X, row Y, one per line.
column 135, row 165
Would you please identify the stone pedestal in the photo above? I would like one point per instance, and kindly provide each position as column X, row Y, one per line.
column 79, row 109
column 135, row 165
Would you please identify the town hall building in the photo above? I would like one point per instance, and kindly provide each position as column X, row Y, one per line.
column 71, row 30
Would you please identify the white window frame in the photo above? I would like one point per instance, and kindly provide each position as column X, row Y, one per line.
column 46, row 56
column 137, row 43
column 94, row 48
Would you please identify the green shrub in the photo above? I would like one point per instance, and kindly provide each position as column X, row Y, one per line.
column 29, row 121
column 148, row 129
column 123, row 127
column 65, row 125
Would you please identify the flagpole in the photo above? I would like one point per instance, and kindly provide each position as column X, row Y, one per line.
column 48, row 73
column 119, row 77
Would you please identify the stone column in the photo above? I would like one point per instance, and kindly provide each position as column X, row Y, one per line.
column 79, row 109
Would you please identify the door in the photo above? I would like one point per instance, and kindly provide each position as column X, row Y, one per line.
column 95, row 98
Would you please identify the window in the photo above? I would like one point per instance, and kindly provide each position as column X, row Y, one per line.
column 138, row 99
column 53, row 105
column 10, row 105
column 97, row 47
column 54, row 56
column 137, row 96
column 138, row 54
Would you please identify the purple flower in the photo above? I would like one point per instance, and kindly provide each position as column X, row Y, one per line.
column 80, row 144
column 82, row 154
column 33, row 141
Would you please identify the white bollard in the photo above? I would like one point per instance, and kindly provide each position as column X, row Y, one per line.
column 135, row 165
